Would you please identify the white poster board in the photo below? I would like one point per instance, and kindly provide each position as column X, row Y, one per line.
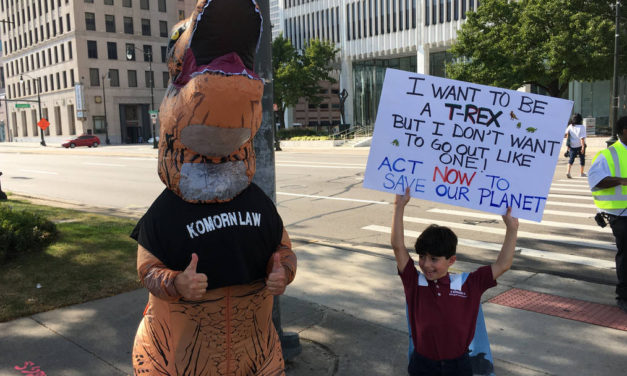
column 464, row 144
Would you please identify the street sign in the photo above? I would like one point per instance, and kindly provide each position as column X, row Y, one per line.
column 22, row 105
column 43, row 124
column 153, row 112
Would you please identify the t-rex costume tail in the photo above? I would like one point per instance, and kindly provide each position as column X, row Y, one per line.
column 211, row 112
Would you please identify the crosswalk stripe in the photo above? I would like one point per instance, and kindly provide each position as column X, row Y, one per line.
column 582, row 184
column 333, row 198
column 521, row 234
column 543, row 223
column 315, row 166
column 571, row 204
column 597, row 263
column 571, row 197
column 570, row 213
column 569, row 190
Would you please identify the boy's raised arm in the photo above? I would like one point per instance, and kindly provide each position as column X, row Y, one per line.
column 506, row 256
column 398, row 233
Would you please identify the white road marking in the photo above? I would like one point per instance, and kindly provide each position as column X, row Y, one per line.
column 318, row 166
column 41, row 172
column 571, row 197
column 324, row 163
column 571, row 204
column 564, row 225
column 569, row 190
column 333, row 198
column 521, row 234
column 103, row 164
column 562, row 257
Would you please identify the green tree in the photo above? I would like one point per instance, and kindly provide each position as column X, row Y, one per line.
column 298, row 75
column 543, row 42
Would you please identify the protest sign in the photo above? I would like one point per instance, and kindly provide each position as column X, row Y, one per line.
column 464, row 144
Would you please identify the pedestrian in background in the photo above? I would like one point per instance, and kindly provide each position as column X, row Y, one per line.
column 576, row 143
column 608, row 182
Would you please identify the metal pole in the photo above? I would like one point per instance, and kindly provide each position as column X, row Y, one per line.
column 265, row 175
column 104, row 102
column 6, row 112
column 152, row 101
column 43, row 142
column 615, row 88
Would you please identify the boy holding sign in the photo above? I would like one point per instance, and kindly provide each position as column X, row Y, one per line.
column 442, row 310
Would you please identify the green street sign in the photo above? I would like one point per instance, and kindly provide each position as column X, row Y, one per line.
column 22, row 105
column 153, row 112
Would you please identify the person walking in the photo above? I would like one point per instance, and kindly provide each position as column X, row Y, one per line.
column 608, row 181
column 576, row 143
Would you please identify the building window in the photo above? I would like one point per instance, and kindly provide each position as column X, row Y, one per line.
column 128, row 25
column 146, row 27
column 90, row 21
column 69, row 50
column 112, row 50
column 143, row 4
column 150, row 78
column 147, row 52
column 162, row 7
column 108, row 2
column 99, row 124
column 114, row 77
column 166, row 78
column 181, row 15
column 163, row 29
column 127, row 3
column 92, row 49
column 87, row 1
column 110, row 23
column 164, row 53
column 130, row 51
column 94, row 77
column 132, row 78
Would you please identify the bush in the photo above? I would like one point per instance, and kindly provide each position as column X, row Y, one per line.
column 291, row 133
column 23, row 232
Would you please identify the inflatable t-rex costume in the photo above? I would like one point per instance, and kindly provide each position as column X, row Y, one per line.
column 211, row 213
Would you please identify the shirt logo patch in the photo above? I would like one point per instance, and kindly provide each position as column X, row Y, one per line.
column 457, row 293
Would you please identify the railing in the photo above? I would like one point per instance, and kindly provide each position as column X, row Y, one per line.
column 358, row 131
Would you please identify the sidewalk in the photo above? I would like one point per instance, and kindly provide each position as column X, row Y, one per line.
column 347, row 306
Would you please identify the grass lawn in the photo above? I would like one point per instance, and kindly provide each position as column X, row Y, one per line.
column 93, row 257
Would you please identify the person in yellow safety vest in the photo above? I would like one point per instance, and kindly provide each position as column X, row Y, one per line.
column 607, row 178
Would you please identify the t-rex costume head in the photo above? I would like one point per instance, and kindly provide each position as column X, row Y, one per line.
column 212, row 108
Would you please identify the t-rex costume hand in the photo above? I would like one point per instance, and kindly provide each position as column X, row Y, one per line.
column 210, row 113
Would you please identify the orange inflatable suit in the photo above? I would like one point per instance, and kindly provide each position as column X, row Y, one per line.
column 211, row 222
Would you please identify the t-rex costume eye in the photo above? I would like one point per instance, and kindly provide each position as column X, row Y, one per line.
column 212, row 108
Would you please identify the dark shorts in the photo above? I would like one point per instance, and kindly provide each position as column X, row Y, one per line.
column 573, row 153
column 421, row 366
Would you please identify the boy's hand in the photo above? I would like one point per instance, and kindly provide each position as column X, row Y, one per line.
column 190, row 284
column 402, row 200
column 510, row 222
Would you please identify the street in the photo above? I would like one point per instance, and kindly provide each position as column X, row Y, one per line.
column 320, row 197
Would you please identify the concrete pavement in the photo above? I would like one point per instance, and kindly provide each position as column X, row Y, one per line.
column 347, row 305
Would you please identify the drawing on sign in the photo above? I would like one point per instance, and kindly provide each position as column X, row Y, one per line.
column 465, row 144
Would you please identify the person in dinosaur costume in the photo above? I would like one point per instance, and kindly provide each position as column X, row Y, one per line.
column 212, row 248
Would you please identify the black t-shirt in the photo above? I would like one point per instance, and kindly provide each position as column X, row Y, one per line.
column 233, row 240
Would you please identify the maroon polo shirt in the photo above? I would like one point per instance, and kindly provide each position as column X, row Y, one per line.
column 442, row 320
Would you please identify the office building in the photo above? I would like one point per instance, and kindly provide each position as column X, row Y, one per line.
column 93, row 66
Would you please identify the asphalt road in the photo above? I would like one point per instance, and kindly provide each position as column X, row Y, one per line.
column 320, row 197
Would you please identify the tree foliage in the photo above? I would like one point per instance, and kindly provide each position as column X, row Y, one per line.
column 543, row 42
column 298, row 74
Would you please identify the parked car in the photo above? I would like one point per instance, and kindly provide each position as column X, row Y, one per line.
column 82, row 140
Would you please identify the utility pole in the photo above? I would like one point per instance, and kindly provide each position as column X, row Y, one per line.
column 104, row 103
column 43, row 142
column 263, row 142
column 614, row 100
